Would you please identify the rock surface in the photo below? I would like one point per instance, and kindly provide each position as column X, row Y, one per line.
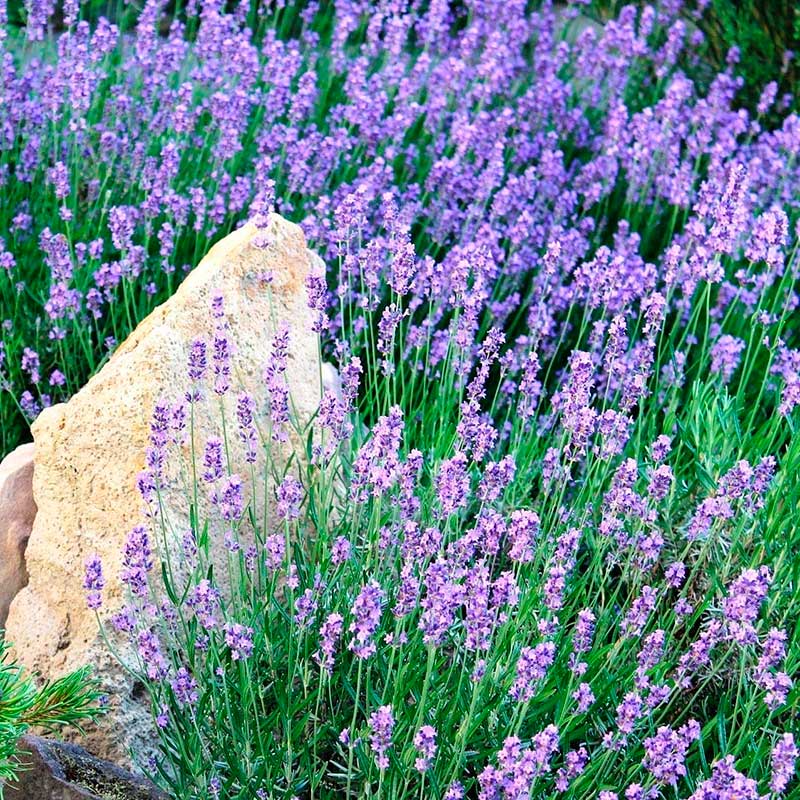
column 17, row 513
column 90, row 451
column 59, row 771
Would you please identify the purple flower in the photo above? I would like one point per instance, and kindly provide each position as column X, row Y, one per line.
column 730, row 214
column 277, row 390
column 229, row 498
column 636, row 618
column 245, row 411
column 197, row 360
column 665, row 753
column 94, row 582
column 699, row 652
column 453, row 484
column 479, row 617
column 773, row 650
column 212, row 459
column 185, row 687
column 629, row 711
column 366, row 613
column 408, row 590
column 305, row 607
column 725, row 356
column 769, row 238
column 584, row 631
column 741, row 607
column 661, row 479
column 30, row 364
column 239, row 639
column 660, row 448
column 204, row 599
column 522, row 532
column 124, row 620
column 330, row 632
column 442, row 598
column 455, row 791
column 675, row 574
column 275, row 551
column 777, row 688
column 726, row 783
column 221, row 361
column 290, row 495
column 532, row 666
column 340, row 550
column 496, row 476
column 317, row 301
column 577, row 416
column 152, row 658
column 784, row 755
column 57, row 378
column 58, row 176
column 381, row 723
column 530, row 387
column 137, row 560
column 584, row 697
column 519, row 768
column 377, row 466
column 425, row 742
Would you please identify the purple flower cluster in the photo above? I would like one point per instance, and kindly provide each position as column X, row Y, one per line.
column 290, row 495
column 743, row 603
column 366, row 611
column 665, row 753
column 425, row 743
column 151, row 655
column 726, row 783
column 519, row 768
column 784, row 756
column 204, row 599
column 381, row 723
column 94, row 582
column 532, row 667
column 185, row 687
column 137, row 560
column 329, row 634
column 239, row 639
column 277, row 388
column 377, row 466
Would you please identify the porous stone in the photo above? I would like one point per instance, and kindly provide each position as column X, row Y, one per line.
column 50, row 770
column 17, row 513
column 90, row 450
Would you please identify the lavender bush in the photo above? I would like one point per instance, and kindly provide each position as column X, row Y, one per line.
column 546, row 539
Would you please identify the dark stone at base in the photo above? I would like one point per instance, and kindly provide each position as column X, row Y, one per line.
column 59, row 771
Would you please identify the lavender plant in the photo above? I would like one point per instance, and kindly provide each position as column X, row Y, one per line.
column 123, row 155
column 545, row 541
column 533, row 605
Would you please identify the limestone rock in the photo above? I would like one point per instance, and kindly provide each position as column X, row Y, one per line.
column 52, row 770
column 17, row 513
column 90, row 451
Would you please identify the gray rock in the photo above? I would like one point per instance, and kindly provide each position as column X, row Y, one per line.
column 60, row 771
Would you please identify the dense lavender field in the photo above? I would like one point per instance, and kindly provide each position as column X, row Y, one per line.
column 550, row 543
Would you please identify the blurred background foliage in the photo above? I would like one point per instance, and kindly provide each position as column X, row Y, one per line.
column 767, row 33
